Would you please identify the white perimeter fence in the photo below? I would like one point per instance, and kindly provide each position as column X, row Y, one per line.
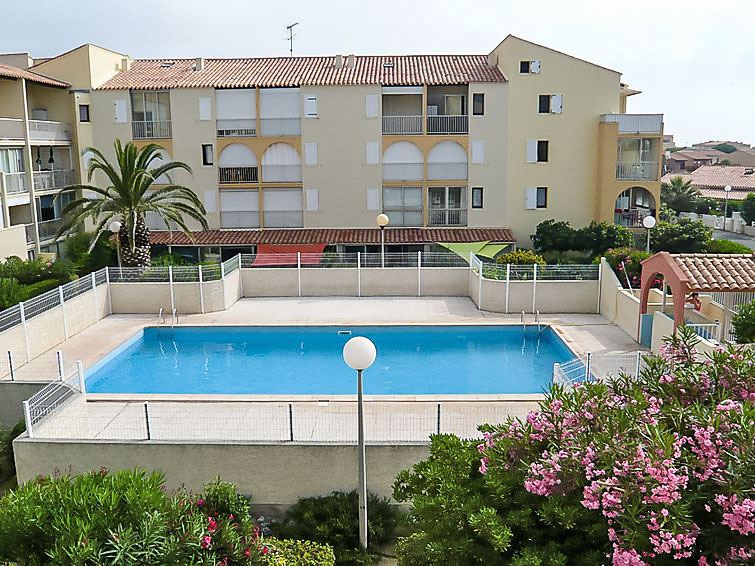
column 599, row 367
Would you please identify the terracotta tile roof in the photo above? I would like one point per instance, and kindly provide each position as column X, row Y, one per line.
column 298, row 71
column 718, row 176
column 11, row 72
column 696, row 154
column 331, row 236
column 717, row 272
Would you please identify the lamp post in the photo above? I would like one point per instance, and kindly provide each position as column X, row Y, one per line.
column 727, row 190
column 382, row 221
column 359, row 354
column 649, row 223
column 115, row 227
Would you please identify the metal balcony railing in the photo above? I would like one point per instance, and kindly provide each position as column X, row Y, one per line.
column 237, row 128
column 240, row 219
column 11, row 129
column 450, row 124
column 46, row 180
column 148, row 129
column 637, row 170
column 15, row 183
column 446, row 171
column 631, row 218
column 402, row 125
column 447, row 217
column 46, row 130
column 635, row 123
column 231, row 175
column 48, row 228
column 280, row 126
column 30, row 234
column 281, row 173
column 283, row 219
column 404, row 216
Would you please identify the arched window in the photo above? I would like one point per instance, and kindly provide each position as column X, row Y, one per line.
column 281, row 163
column 447, row 160
column 237, row 164
column 403, row 161
column 632, row 206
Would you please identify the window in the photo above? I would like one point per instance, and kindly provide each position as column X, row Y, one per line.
column 476, row 197
column 478, row 104
column 207, row 155
column 403, row 205
column 84, row 113
column 150, row 106
column 524, row 66
column 550, row 103
column 542, row 151
column 446, row 206
column 529, row 67
column 542, row 197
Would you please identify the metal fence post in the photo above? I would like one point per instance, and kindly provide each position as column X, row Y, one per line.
column 359, row 274
column 479, row 285
column 27, row 418
column 59, row 356
column 10, row 365
column 63, row 309
column 556, row 369
column 201, row 290
column 291, row 422
column 22, row 312
column 587, row 366
column 80, row 372
column 298, row 269
column 508, row 285
column 222, row 278
column 639, row 363
column 437, row 427
column 241, row 279
column 534, row 288
column 419, row 274
column 109, row 290
column 96, row 306
column 170, row 282
column 146, row 420
column 600, row 283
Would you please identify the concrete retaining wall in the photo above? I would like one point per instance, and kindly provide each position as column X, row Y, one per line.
column 12, row 395
column 275, row 474
column 150, row 297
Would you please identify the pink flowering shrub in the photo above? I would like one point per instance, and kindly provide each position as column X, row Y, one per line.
column 667, row 460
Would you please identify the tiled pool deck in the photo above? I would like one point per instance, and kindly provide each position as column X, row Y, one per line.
column 306, row 419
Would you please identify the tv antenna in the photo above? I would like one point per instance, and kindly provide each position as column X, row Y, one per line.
column 291, row 35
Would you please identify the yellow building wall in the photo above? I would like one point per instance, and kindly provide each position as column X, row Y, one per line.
column 11, row 99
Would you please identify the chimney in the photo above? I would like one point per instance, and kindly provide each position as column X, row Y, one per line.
column 492, row 59
column 350, row 63
column 339, row 61
column 125, row 64
column 199, row 65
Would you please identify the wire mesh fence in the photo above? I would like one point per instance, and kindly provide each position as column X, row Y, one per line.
column 597, row 367
column 499, row 271
column 353, row 260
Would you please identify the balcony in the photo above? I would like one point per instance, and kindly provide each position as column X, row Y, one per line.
column 147, row 130
column 232, row 175
column 280, row 126
column 446, row 171
column 240, row 219
column 402, row 125
column 290, row 173
column 447, row 217
column 631, row 218
column 30, row 234
column 15, row 183
column 49, row 228
column 403, row 171
column 451, row 124
column 635, row 123
column 11, row 129
column 47, row 180
column 404, row 216
column 637, row 171
column 245, row 128
column 284, row 219
column 45, row 130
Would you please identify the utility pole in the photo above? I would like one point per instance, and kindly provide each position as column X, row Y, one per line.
column 291, row 35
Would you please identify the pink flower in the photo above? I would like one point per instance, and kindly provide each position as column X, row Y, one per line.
column 206, row 540
column 200, row 501
column 212, row 526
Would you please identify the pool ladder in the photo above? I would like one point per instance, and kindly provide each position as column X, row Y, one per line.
column 160, row 317
column 537, row 322
column 174, row 318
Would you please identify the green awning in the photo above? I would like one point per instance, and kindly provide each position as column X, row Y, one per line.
column 484, row 249
column 492, row 250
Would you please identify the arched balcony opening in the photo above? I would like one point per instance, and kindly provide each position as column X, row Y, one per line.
column 281, row 163
column 447, row 161
column 237, row 164
column 633, row 206
column 403, row 161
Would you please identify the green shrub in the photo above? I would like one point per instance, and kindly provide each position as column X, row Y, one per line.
column 520, row 257
column 748, row 208
column 6, row 446
column 569, row 257
column 631, row 266
column 684, row 236
column 166, row 260
column 598, row 237
column 334, row 520
column 40, row 287
column 744, row 324
column 708, row 206
column 102, row 254
column 301, row 553
column 554, row 235
column 727, row 247
column 11, row 292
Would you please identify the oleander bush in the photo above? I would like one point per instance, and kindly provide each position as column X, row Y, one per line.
column 657, row 470
column 520, row 257
column 126, row 518
column 743, row 323
column 727, row 247
column 626, row 264
column 593, row 239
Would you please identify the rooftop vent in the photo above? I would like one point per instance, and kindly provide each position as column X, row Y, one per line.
column 339, row 61
column 388, row 65
column 749, row 170
column 351, row 61
column 125, row 64
column 199, row 64
column 167, row 64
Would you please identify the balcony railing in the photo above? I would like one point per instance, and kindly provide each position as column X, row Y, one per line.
column 402, row 125
column 404, row 216
column 240, row 219
column 46, row 180
column 280, row 126
column 48, row 228
column 446, row 171
column 11, row 129
column 146, row 130
column 284, row 219
column 446, row 217
column 15, row 183
column 637, row 170
column 237, row 128
column 451, row 124
column 30, row 234
column 45, row 130
column 635, row 123
column 231, row 175
column 631, row 218
column 403, row 171
column 281, row 173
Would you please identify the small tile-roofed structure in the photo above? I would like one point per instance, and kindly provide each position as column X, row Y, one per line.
column 11, row 72
column 697, row 273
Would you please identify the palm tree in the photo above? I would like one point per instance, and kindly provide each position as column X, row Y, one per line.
column 128, row 198
column 679, row 195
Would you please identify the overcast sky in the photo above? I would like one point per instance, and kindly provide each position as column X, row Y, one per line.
column 693, row 60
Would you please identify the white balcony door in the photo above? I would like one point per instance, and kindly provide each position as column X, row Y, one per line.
column 281, row 163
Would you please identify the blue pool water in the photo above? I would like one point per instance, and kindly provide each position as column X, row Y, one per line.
column 308, row 361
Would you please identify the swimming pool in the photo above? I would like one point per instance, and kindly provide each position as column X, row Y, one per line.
column 411, row 360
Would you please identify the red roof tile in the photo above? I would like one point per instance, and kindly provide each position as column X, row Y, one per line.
column 331, row 236
column 718, row 176
column 11, row 72
column 718, row 272
column 298, row 71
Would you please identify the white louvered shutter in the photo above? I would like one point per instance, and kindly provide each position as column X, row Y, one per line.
column 310, row 106
column 313, row 200
column 557, row 103
column 478, row 151
column 530, row 198
column 371, row 153
column 310, row 153
column 371, row 106
column 531, row 151
column 535, row 67
column 120, row 111
column 210, row 203
column 373, row 199
column 205, row 109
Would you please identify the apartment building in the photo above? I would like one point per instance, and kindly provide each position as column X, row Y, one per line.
column 309, row 150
